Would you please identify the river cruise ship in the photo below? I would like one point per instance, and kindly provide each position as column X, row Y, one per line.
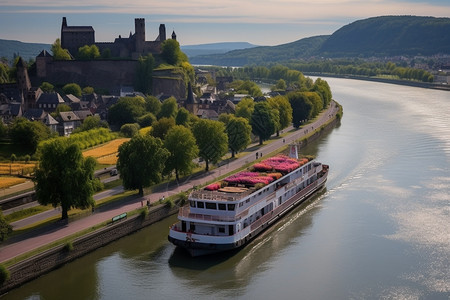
column 228, row 214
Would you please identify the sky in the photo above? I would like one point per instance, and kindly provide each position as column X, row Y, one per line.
column 260, row 22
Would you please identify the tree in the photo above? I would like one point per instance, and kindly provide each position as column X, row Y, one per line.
column 169, row 108
column 212, row 141
column 61, row 108
column 262, row 121
column 153, row 105
column 91, row 122
column 280, row 86
column 161, row 127
column 64, row 177
column 301, row 108
column 3, row 130
column 129, row 130
column 58, row 52
column 284, row 108
column 141, row 161
column 5, row 228
column 323, row 89
column 182, row 117
column 28, row 134
column 88, row 90
column 126, row 110
column 47, row 87
column 88, row 52
column 170, row 52
column 144, row 72
column 238, row 131
column 146, row 120
column 245, row 108
column 72, row 88
column 181, row 144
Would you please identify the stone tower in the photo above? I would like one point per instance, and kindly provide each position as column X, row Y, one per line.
column 162, row 33
column 174, row 35
column 139, row 28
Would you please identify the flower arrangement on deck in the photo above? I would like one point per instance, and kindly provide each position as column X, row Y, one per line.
column 279, row 163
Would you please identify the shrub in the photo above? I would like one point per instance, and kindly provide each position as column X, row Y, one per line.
column 68, row 247
column 4, row 274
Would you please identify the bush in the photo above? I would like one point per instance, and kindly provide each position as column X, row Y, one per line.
column 68, row 247
column 4, row 274
column 170, row 203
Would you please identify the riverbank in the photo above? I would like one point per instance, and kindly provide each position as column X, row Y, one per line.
column 47, row 261
column 420, row 84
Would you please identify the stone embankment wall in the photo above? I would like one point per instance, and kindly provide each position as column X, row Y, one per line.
column 49, row 260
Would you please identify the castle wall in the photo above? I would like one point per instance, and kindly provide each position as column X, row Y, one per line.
column 104, row 74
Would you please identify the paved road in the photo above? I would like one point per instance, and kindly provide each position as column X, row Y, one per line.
column 22, row 244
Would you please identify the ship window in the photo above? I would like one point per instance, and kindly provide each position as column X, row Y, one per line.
column 241, row 204
column 247, row 201
column 222, row 206
column 210, row 205
column 192, row 203
column 231, row 207
column 200, row 204
column 222, row 229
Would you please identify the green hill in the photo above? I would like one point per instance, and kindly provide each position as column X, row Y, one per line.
column 390, row 36
column 378, row 36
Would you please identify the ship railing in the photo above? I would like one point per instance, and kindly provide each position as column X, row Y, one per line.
column 185, row 212
column 217, row 196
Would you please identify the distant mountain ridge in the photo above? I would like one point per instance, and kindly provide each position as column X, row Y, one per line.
column 9, row 48
column 214, row 48
column 373, row 37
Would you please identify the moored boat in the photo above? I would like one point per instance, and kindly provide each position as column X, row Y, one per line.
column 227, row 214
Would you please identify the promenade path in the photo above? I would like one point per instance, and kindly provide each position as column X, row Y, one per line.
column 41, row 237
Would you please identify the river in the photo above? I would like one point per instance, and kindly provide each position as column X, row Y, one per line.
column 381, row 229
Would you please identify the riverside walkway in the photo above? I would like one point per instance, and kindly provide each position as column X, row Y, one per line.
column 40, row 237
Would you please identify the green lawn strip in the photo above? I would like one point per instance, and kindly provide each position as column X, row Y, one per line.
column 16, row 193
column 25, row 213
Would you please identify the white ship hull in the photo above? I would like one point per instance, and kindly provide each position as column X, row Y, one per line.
column 199, row 234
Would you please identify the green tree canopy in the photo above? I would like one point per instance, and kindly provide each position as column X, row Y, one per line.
column 58, row 52
column 144, row 74
column 141, row 161
column 301, row 108
column 47, row 87
column 182, row 117
column 126, row 110
column 88, row 90
column 88, row 52
column 183, row 149
column 64, row 177
column 169, row 108
column 161, row 127
column 284, row 108
column 171, row 53
column 153, row 105
column 5, row 228
column 280, row 86
column 238, row 131
column 146, row 120
column 245, row 108
column 323, row 89
column 91, row 122
column 129, row 130
column 262, row 121
column 212, row 141
column 28, row 134
column 72, row 88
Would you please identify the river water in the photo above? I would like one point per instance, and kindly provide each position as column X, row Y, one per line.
column 381, row 229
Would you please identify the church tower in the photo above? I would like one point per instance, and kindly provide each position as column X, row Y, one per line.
column 174, row 36
column 23, row 80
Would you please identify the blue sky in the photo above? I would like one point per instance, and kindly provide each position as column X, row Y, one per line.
column 260, row 22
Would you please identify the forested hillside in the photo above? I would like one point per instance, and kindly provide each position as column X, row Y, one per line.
column 390, row 36
column 378, row 36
